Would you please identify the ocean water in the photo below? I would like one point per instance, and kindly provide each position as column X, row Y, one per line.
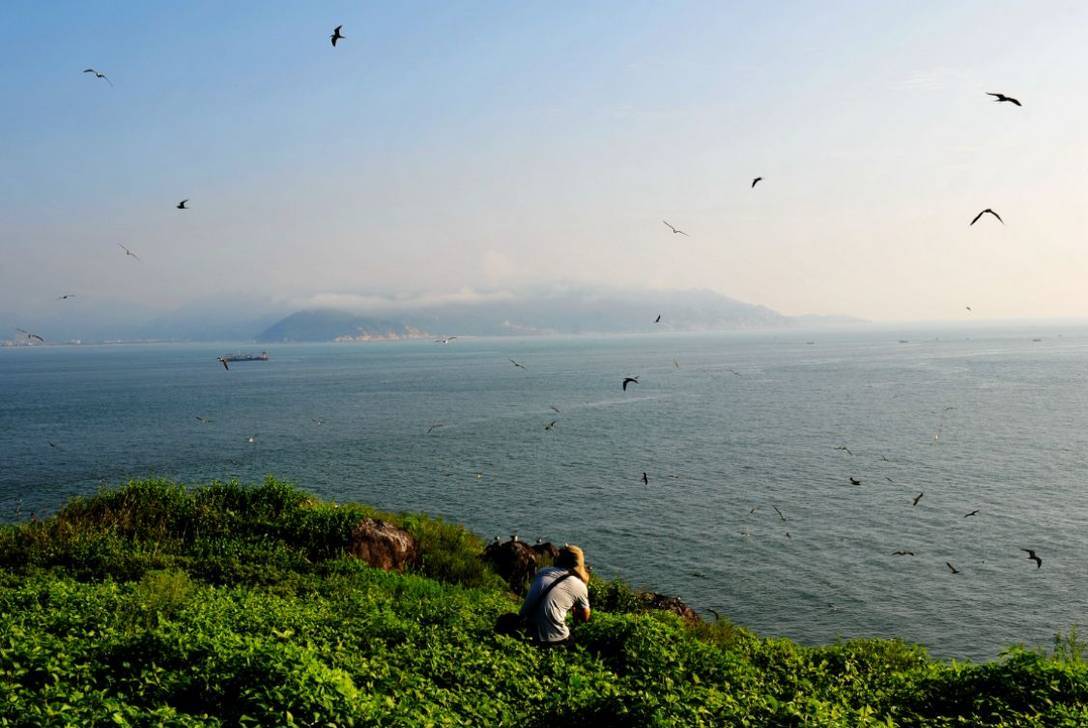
column 722, row 424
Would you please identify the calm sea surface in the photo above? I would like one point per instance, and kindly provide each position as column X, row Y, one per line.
column 983, row 419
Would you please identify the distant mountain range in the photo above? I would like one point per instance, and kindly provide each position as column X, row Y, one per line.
column 568, row 312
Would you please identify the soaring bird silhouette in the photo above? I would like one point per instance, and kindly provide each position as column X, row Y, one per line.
column 780, row 514
column 902, row 553
column 435, row 426
column 756, row 180
column 202, row 420
column 551, row 424
column 98, row 75
column 968, row 308
column 1033, row 557
column 855, row 481
column 445, row 340
column 554, row 409
column 845, row 449
column 66, row 296
column 629, row 380
column 888, row 479
column 129, row 252
column 29, row 335
column 675, row 231
column 983, row 213
column 181, row 205
column 517, row 364
column 951, row 568
column 972, row 513
column 336, row 35
column 917, row 498
column 223, row 360
column 999, row 97
column 645, row 479
column 658, row 319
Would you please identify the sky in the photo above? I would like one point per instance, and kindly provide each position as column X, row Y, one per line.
column 463, row 148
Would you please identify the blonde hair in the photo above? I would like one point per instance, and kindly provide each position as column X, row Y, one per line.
column 571, row 558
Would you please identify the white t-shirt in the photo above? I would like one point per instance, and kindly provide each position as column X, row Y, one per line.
column 548, row 622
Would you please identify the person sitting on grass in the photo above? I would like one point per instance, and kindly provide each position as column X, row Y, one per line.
column 555, row 591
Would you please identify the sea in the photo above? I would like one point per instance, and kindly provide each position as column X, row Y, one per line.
column 748, row 440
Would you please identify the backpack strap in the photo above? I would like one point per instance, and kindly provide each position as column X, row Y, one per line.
column 543, row 594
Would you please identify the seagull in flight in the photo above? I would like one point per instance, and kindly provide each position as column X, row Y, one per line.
column 517, row 364
column 756, row 181
column 336, row 35
column 645, row 479
column 445, row 340
column 223, row 360
column 129, row 252
column 658, row 319
column 66, row 296
column 951, row 568
column 844, row 448
column 674, row 230
column 554, row 408
column 855, row 481
column 30, row 335
column 435, row 426
column 551, row 424
column 968, row 308
column 1033, row 557
column 972, row 513
column 983, row 213
column 917, row 498
column 97, row 74
column 628, row 380
column 181, row 205
column 999, row 97
column 202, row 420
column 902, row 553
column 780, row 515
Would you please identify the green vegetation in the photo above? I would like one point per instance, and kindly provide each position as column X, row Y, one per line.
column 154, row 604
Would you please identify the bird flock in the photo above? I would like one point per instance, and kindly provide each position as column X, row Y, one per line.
column 335, row 37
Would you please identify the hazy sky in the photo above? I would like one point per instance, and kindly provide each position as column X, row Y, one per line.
column 496, row 145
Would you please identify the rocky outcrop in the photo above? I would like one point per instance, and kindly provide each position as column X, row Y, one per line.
column 383, row 545
column 516, row 561
column 665, row 603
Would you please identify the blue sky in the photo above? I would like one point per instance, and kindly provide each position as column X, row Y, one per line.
column 445, row 146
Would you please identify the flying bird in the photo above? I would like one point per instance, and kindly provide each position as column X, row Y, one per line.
column 756, row 181
column 66, row 296
column 30, row 335
column 888, row 479
column 336, row 35
column 629, row 380
column 676, row 363
column 658, row 319
column 251, row 439
column 951, row 568
column 972, row 513
column 968, row 308
column 902, row 553
column 917, row 498
column 855, row 481
column 780, row 514
column 551, row 424
column 435, row 426
column 554, row 408
column 844, row 448
column 202, row 420
column 1033, row 557
column 53, row 444
column 98, row 75
column 645, row 479
column 129, row 252
column 181, row 205
column 445, row 340
column 983, row 213
column 734, row 371
column 223, row 360
column 674, row 230
column 999, row 97
column 517, row 364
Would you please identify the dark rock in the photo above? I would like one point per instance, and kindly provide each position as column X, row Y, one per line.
column 517, row 562
column 383, row 545
column 663, row 602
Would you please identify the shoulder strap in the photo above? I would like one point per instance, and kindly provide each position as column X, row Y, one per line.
column 543, row 594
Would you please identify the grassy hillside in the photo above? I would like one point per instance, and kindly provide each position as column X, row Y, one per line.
column 154, row 604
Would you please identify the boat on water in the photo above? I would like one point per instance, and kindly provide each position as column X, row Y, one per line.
column 263, row 356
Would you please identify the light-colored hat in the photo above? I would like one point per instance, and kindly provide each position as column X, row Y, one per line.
column 571, row 557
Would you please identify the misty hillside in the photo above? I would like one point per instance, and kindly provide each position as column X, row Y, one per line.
column 567, row 313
